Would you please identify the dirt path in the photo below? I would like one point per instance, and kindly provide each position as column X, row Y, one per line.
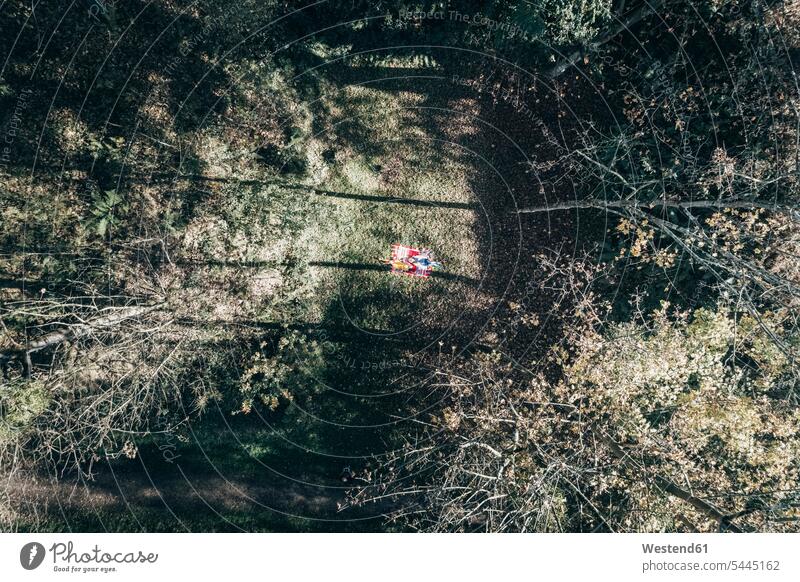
column 184, row 499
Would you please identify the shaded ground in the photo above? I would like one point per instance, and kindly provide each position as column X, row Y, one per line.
column 391, row 153
column 202, row 487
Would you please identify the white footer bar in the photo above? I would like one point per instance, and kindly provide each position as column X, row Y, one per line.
column 399, row 557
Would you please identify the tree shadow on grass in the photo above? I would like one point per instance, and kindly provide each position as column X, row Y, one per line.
column 317, row 191
column 386, row 268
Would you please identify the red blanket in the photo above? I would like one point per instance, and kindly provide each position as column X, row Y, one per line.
column 402, row 266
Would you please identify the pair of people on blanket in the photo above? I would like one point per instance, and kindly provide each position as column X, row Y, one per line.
column 421, row 262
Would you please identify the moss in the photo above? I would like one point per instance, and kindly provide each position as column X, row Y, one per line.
column 21, row 403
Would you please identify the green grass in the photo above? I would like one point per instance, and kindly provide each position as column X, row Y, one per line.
column 301, row 250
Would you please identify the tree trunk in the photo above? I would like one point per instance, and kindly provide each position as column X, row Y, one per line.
column 670, row 487
column 71, row 332
column 647, row 9
column 699, row 204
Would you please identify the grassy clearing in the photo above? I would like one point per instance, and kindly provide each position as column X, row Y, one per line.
column 377, row 174
column 297, row 245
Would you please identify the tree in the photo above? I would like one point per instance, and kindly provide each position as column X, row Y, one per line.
column 669, row 423
column 699, row 171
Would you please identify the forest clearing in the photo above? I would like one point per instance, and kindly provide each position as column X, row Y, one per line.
column 203, row 326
